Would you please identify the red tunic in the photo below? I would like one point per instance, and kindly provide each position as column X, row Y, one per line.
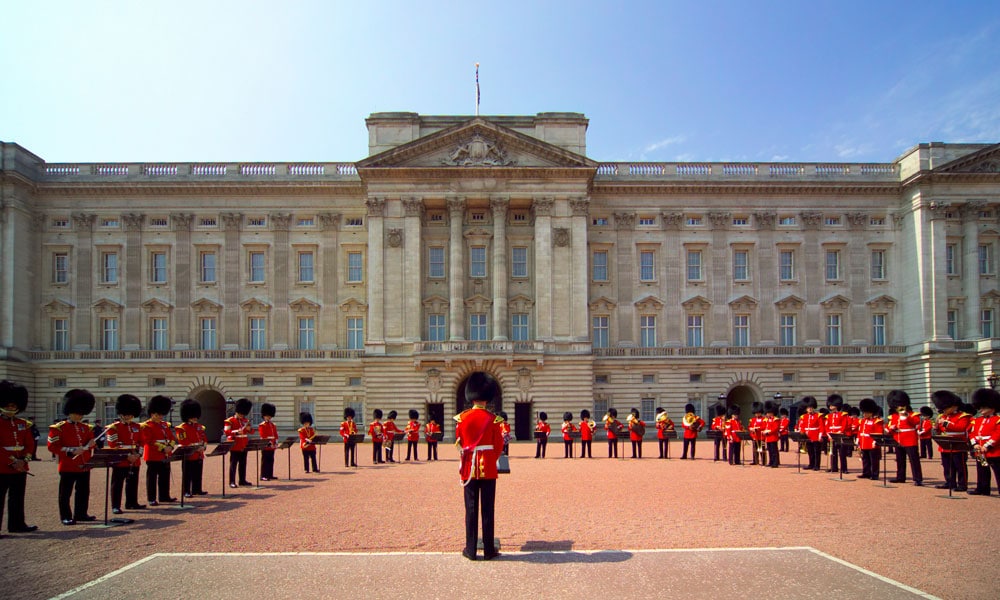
column 691, row 432
column 662, row 427
column 926, row 428
column 567, row 427
column 784, row 424
column 305, row 438
column 480, row 442
column 158, row 438
column 770, row 429
column 986, row 433
column 904, row 428
column 587, row 430
column 67, row 440
column 838, row 422
column 718, row 424
column 412, row 431
column 16, row 444
column 429, row 429
column 611, row 427
column 504, row 427
column 811, row 424
column 633, row 427
column 192, row 434
column 755, row 425
column 866, row 429
column 125, row 436
column 732, row 426
column 269, row 431
column 389, row 429
column 347, row 429
column 237, row 430
column 955, row 426
column 543, row 427
column 375, row 429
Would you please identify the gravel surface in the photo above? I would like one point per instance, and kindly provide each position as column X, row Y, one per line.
column 551, row 504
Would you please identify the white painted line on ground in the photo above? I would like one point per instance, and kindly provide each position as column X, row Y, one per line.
column 875, row 575
column 104, row 578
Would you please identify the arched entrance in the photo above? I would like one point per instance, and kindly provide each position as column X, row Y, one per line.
column 213, row 413
column 744, row 397
column 461, row 404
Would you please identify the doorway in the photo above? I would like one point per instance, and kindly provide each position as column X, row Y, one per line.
column 744, row 397
column 523, row 427
column 213, row 413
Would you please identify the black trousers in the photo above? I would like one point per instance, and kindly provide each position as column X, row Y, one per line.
column 12, row 488
column 377, row 452
column 158, row 480
column 567, row 448
column 307, row 456
column 689, row 444
column 237, row 464
column 612, row 448
column 772, row 454
column 432, row 450
column 389, row 447
column 480, row 497
column 783, row 443
column 734, row 452
column 586, row 448
column 871, row 464
column 68, row 483
column 637, row 447
column 758, row 447
column 412, row 445
column 720, row 449
column 540, row 446
column 913, row 454
column 956, row 469
column 927, row 448
column 350, row 455
column 191, row 473
column 127, row 478
column 815, row 450
column 267, row 463
column 983, row 475
column 838, row 459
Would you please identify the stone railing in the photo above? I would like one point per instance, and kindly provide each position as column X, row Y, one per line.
column 753, row 171
column 39, row 355
column 749, row 351
column 484, row 347
column 167, row 171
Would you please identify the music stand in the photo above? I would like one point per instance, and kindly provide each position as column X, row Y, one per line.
column 222, row 449
column 181, row 453
column 801, row 438
column 743, row 437
column 286, row 444
column 885, row 441
column 841, row 441
column 397, row 436
column 355, row 439
column 257, row 444
column 670, row 434
column 437, row 436
column 320, row 440
column 951, row 444
column 106, row 457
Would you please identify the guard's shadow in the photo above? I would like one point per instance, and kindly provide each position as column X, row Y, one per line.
column 560, row 552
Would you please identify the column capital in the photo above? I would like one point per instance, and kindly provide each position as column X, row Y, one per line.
column 580, row 206
column 375, row 206
column 413, row 206
column 182, row 221
column 543, row 206
column 279, row 221
column 84, row 221
column 133, row 221
column 456, row 206
column 329, row 221
column 499, row 205
column 971, row 209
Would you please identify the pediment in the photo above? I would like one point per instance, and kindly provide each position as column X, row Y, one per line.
column 743, row 302
column 353, row 306
column 304, row 305
column 990, row 299
column 156, row 305
column 476, row 143
column 436, row 304
column 603, row 305
column 835, row 301
column 255, row 305
column 105, row 305
column 986, row 160
column 478, row 303
column 790, row 301
column 696, row 303
column 204, row 305
column 649, row 303
column 58, row 307
column 520, row 304
column 882, row 301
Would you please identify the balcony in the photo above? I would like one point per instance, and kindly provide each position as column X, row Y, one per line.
column 750, row 351
column 480, row 347
column 678, row 171
column 227, row 355
column 187, row 172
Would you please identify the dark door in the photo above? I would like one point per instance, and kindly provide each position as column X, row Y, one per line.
column 523, row 427
column 436, row 412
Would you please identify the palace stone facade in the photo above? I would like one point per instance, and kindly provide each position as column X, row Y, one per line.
column 495, row 243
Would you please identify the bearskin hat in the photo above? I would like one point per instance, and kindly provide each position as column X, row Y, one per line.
column 967, row 408
column 78, row 402
column 159, row 405
column 689, row 408
column 925, row 411
column 584, row 414
column 503, row 415
column 348, row 413
column 986, row 398
column 808, row 402
column 268, row 410
column 898, row 399
column 567, row 416
column 543, row 416
column 757, row 407
column 720, row 410
column 190, row 409
column 14, row 393
column 944, row 399
column 392, row 415
column 244, row 406
column 377, row 413
column 482, row 387
column 734, row 410
column 835, row 401
column 853, row 411
column 634, row 412
column 770, row 407
column 868, row 405
column 613, row 412
column 305, row 417
column 127, row 404
column 824, row 411
column 783, row 412
column 414, row 414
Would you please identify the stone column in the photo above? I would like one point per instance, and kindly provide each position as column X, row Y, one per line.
column 543, row 267
column 970, row 329
column 579, row 326
column 858, row 274
column 132, row 274
column 375, row 327
column 456, row 269
column 183, row 276
column 625, row 266
column 7, row 270
column 283, row 270
column 937, row 312
column 765, row 322
column 83, row 330
column 413, row 209
column 329, row 324
column 812, row 280
column 230, row 282
column 499, row 206
column 718, row 280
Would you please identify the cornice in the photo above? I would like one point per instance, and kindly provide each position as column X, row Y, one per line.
column 796, row 188
column 352, row 189
column 513, row 173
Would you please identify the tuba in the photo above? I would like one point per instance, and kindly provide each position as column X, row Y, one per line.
column 690, row 419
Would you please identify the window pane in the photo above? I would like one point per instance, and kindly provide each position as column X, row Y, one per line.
column 436, row 330
column 477, row 327
column 208, row 334
column 646, row 266
column 477, row 257
column 786, row 272
column 832, row 265
column 694, row 265
column 695, row 333
column 306, row 266
column 356, row 333
column 787, row 330
column 741, row 265
column 600, row 332
column 435, row 262
column 258, row 334
column 741, row 330
column 256, row 266
column 208, row 267
column 519, row 327
column 354, row 270
column 109, row 267
column 307, row 333
column 987, row 323
column 833, row 330
column 158, row 333
column 158, row 267
column 109, row 334
column 647, row 331
column 878, row 330
column 600, row 266
column 878, row 264
column 60, row 268
column 60, row 334
column 519, row 261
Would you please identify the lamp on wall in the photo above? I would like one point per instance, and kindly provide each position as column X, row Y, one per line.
column 777, row 397
column 993, row 379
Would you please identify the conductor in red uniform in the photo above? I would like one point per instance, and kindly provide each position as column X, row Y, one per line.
column 124, row 434
column 72, row 441
column 16, row 447
column 902, row 424
column 480, row 443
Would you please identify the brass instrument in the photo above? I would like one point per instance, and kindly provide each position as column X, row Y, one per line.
column 591, row 423
column 662, row 417
column 607, row 418
column 690, row 420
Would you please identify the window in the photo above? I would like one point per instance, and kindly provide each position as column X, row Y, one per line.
column 258, row 333
column 354, row 382
column 986, row 322
column 256, row 266
column 157, row 382
column 832, row 265
column 109, row 267
column 519, row 327
column 740, row 221
column 478, row 217
column 876, row 221
column 695, row 377
column 59, row 382
column 60, row 223
column 436, row 217
column 695, row 331
column 355, row 333
column 305, row 381
column 158, row 333
column 741, row 330
column 879, row 376
column 519, row 217
column 599, row 328
column 600, row 378
column 110, row 381
column 477, row 260
column 878, row 264
column 985, row 259
column 646, row 266
column 646, row 410
column 207, row 335
column 950, row 254
column 354, row 268
column 208, row 222
column 437, row 331
column 60, row 267
column 256, row 222
column 306, row 222
column 519, row 261
column 648, row 378
column 158, row 267
column 60, row 335
column 599, row 222
column 694, row 265
column 647, row 221
column 786, row 265
column 788, row 377
column 599, row 265
column 255, row 382
column 694, row 221
column 786, row 221
column 111, row 222
column 833, row 330
column 832, row 221
column 354, row 222
column 206, row 266
column 477, row 327
column 306, row 267
column 741, row 265
column 647, row 331
column 109, row 333
column 435, row 262
column 833, row 376
column 307, row 333
column 953, row 324
column 786, row 331
column 878, row 329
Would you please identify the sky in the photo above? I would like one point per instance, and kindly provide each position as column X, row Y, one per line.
column 214, row 80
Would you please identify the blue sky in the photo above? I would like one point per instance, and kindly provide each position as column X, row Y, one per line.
column 660, row 81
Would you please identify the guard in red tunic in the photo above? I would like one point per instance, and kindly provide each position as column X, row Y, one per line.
column 237, row 429
column 755, row 426
column 72, row 441
column 376, row 433
column 770, row 432
column 811, row 424
column 542, row 427
column 954, row 424
column 567, row 431
column 123, row 434
column 785, row 426
column 267, row 430
column 719, row 424
column 636, row 430
column 412, row 430
column 192, row 433
column 504, row 425
column 17, row 445
column 692, row 424
column 985, row 439
column 837, row 422
column 480, row 443
column 733, row 426
column 430, row 429
column 389, row 431
column 306, row 435
column 902, row 424
column 870, row 424
column 613, row 427
column 159, row 440
column 347, row 428
column 664, row 428
column 926, row 430
column 587, row 428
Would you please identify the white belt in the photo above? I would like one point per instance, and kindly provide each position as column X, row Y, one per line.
column 477, row 448
column 952, row 433
column 905, row 430
column 124, row 447
column 13, row 448
column 812, row 428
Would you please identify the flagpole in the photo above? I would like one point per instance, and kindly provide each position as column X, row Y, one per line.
column 477, row 89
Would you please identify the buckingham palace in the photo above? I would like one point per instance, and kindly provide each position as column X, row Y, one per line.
column 495, row 243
